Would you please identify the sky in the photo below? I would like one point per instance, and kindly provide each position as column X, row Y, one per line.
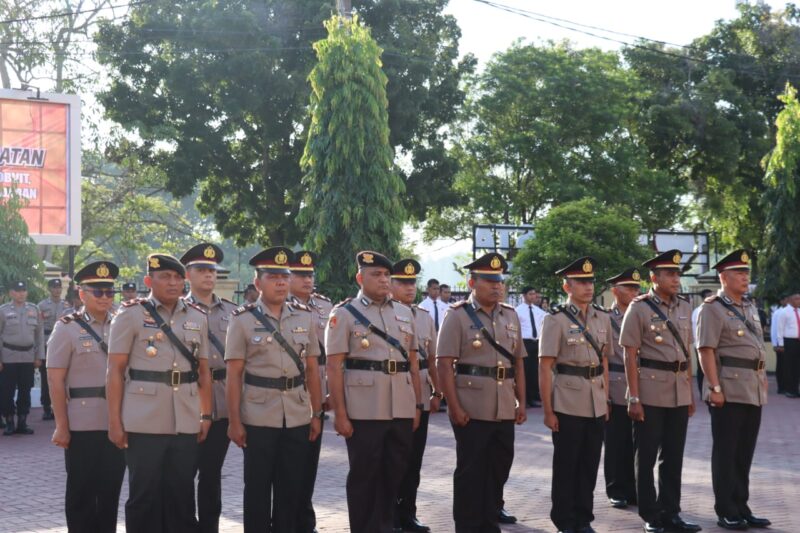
column 487, row 30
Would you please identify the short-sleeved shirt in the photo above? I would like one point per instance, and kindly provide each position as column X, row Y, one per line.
column 321, row 310
column 482, row 397
column 722, row 330
column 426, row 341
column 72, row 347
column 51, row 311
column 21, row 326
column 158, row 408
column 263, row 356
column 617, row 383
column 642, row 328
column 370, row 394
column 218, row 316
column 561, row 338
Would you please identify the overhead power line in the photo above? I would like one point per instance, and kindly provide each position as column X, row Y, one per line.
column 72, row 13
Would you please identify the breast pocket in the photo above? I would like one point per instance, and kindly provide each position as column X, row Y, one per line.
column 300, row 341
column 468, row 382
column 359, row 379
column 191, row 339
column 256, row 395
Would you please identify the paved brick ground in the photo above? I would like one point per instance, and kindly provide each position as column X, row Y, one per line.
column 32, row 479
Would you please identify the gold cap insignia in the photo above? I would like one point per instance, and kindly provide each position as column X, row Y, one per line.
column 587, row 266
column 306, row 259
column 102, row 271
column 635, row 276
column 495, row 262
column 280, row 258
column 745, row 257
column 409, row 269
column 368, row 258
column 154, row 262
column 676, row 258
column 209, row 252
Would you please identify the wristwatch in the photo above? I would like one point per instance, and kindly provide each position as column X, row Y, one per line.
column 633, row 399
column 320, row 414
column 421, row 406
column 715, row 388
column 205, row 417
column 437, row 394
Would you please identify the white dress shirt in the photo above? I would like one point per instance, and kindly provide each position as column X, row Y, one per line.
column 787, row 325
column 695, row 314
column 773, row 323
column 431, row 306
column 524, row 312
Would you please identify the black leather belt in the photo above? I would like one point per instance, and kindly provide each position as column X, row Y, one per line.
column 87, row 392
column 738, row 362
column 497, row 372
column 18, row 348
column 669, row 366
column 616, row 367
column 218, row 374
column 389, row 366
column 587, row 372
column 281, row 383
column 173, row 378
column 423, row 364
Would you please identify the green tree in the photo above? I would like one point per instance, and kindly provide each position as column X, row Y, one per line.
column 575, row 229
column 355, row 195
column 782, row 202
column 18, row 257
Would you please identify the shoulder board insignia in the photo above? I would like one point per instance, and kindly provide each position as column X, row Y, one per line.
column 344, row 302
column 298, row 306
column 66, row 319
column 600, row 308
column 456, row 305
column 509, row 306
column 642, row 297
column 711, row 299
column 195, row 306
column 135, row 301
column 684, row 298
column 243, row 309
column 556, row 309
column 320, row 296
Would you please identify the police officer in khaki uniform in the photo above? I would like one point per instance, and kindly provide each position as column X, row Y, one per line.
column 480, row 338
column 128, row 291
column 160, row 413
column 732, row 354
column 201, row 262
column 51, row 309
column 656, row 335
column 77, row 361
column 404, row 290
column 22, row 350
column 301, row 291
column 618, row 462
column 373, row 379
column 575, row 344
column 273, row 394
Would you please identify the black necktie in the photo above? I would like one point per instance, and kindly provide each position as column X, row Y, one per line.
column 533, row 322
column 436, row 315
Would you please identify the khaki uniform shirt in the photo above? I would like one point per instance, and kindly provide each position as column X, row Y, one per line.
column 158, row 408
column 426, row 340
column 72, row 347
column 218, row 315
column 482, row 397
column 321, row 310
column 642, row 327
column 562, row 339
column 719, row 329
column 21, row 326
column 51, row 311
column 617, row 383
column 263, row 356
column 370, row 394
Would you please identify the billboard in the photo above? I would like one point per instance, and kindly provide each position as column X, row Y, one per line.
column 40, row 161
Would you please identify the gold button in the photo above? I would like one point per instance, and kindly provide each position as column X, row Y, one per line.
column 141, row 389
column 592, row 381
column 652, row 376
column 469, row 383
column 175, row 389
column 214, row 356
column 83, row 402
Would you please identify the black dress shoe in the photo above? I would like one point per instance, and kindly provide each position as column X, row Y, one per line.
column 754, row 521
column 732, row 523
column 676, row 523
column 48, row 415
column 504, row 517
column 618, row 503
column 586, row 529
column 412, row 524
column 792, row 395
column 567, row 531
column 650, row 527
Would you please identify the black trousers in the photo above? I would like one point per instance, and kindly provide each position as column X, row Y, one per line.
column 734, row 427
column 618, row 462
column 791, row 356
column 16, row 377
column 161, row 483
column 306, row 517
column 484, row 455
column 44, row 391
column 531, row 366
column 661, row 437
column 274, row 463
column 407, row 496
column 95, row 469
column 378, row 453
column 576, row 458
column 209, row 476
column 780, row 371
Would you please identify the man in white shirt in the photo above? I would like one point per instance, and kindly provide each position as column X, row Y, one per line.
column 531, row 318
column 433, row 304
column 780, row 366
column 705, row 293
column 787, row 341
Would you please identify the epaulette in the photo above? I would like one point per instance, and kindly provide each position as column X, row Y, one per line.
column 418, row 308
column 243, row 309
column 600, row 308
column 556, row 309
column 66, row 319
column 458, row 304
column 509, row 306
column 135, row 301
column 711, row 299
column 299, row 306
column 642, row 297
column 195, row 306
column 320, row 296
column 683, row 297
column 344, row 302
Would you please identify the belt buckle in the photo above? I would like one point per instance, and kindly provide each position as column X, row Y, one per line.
column 288, row 384
column 593, row 371
column 761, row 364
column 175, row 378
column 391, row 366
column 677, row 367
column 501, row 373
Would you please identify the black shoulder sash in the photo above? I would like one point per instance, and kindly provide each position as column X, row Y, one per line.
column 377, row 331
column 586, row 335
column 485, row 332
column 85, row 325
column 176, row 342
column 672, row 328
column 278, row 337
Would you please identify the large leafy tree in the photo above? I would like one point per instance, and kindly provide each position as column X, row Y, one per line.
column 18, row 257
column 217, row 92
column 354, row 200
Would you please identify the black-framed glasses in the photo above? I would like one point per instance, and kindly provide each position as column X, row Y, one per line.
column 99, row 293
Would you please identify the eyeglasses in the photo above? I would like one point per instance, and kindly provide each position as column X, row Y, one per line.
column 99, row 293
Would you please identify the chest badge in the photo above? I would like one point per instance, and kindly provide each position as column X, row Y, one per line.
column 364, row 343
column 740, row 333
column 659, row 339
column 476, row 343
column 151, row 350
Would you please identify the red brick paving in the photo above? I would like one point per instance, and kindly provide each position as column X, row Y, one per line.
column 32, row 479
